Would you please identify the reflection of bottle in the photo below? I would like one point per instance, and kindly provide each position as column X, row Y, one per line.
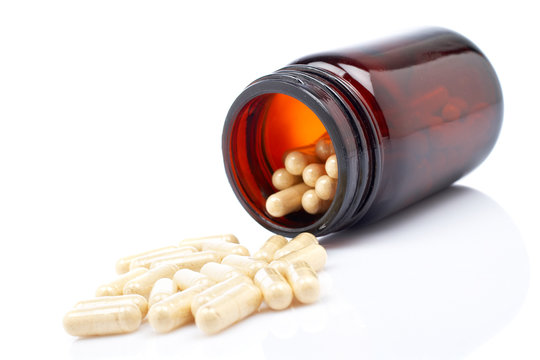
column 407, row 117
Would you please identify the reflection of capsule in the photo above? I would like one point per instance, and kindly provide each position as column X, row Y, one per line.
column 234, row 305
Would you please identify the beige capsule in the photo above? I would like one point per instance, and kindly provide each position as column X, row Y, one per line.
column 331, row 166
column 217, row 290
column 296, row 161
column 116, row 287
column 324, row 148
column 325, row 187
column 119, row 318
column 123, row 264
column 315, row 255
column 298, row 242
column 276, row 290
column 311, row 173
column 162, row 289
column 147, row 260
column 191, row 261
column 229, row 308
column 226, row 248
column 143, row 284
column 247, row 265
column 174, row 311
column 313, row 204
column 273, row 244
column 186, row 278
column 282, row 179
column 286, row 201
column 103, row 301
column 219, row 272
column 304, row 282
column 197, row 242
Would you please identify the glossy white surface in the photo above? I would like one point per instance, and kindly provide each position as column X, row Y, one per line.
column 110, row 127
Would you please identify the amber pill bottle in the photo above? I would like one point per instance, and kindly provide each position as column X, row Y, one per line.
column 408, row 116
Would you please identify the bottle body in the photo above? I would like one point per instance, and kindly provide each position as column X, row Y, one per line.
column 408, row 117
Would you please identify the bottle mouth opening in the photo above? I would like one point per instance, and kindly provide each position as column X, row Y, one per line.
column 269, row 118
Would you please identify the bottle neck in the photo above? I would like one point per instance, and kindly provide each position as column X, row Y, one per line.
column 349, row 126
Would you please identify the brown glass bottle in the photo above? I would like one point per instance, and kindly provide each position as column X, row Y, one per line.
column 408, row 116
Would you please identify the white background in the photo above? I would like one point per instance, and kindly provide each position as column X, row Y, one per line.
column 110, row 125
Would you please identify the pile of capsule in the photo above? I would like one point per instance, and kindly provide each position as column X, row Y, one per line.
column 212, row 280
column 307, row 182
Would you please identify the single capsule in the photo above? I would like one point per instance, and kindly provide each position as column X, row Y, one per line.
column 226, row 248
column 217, row 290
column 298, row 242
column 123, row 265
column 119, row 318
column 105, row 301
column 273, row 244
column 219, row 272
column 116, row 287
column 296, row 161
column 331, row 166
column 162, row 289
column 191, row 261
column 174, row 311
column 315, row 255
column 247, row 265
column 324, row 147
column 282, row 179
column 276, row 290
column 312, row 172
column 143, row 284
column 147, row 260
column 304, row 282
column 186, row 278
column 313, row 204
column 325, row 187
column 197, row 242
column 229, row 308
column 286, row 201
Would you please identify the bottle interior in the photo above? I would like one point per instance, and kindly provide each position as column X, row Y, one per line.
column 266, row 127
